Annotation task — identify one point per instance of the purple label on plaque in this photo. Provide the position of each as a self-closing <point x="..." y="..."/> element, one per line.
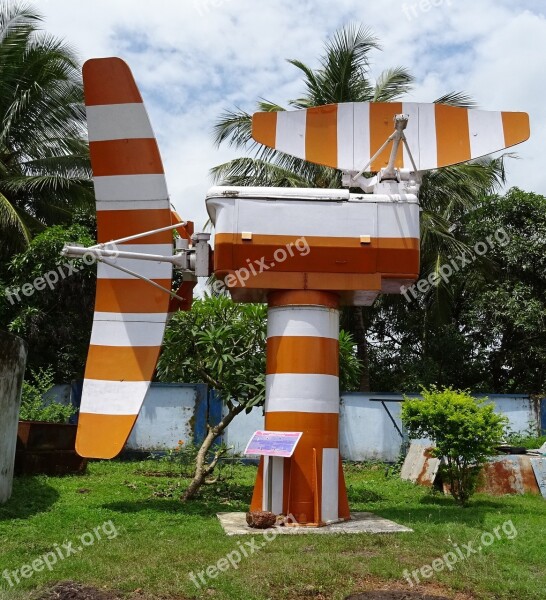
<point x="273" y="443"/>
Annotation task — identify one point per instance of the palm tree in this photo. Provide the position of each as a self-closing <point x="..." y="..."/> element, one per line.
<point x="344" y="76"/>
<point x="44" y="163"/>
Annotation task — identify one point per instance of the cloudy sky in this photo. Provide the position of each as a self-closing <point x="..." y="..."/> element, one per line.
<point x="194" y="58"/>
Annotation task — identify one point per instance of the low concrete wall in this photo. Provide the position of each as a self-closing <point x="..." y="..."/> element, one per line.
<point x="368" y="432"/>
<point x="13" y="356"/>
<point x="370" y="424"/>
<point x="167" y="416"/>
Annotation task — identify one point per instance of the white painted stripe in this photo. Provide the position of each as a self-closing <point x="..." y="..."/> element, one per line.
<point x="146" y="268"/>
<point x="486" y="132"/>
<point x="428" y="144"/>
<point x="397" y="221"/>
<point x="340" y="219"/>
<point x="412" y="133"/>
<point x="130" y="205"/>
<point x="303" y="321"/>
<point x="345" y="136"/>
<point x="278" y="484"/>
<point x="118" y="122"/>
<point x="132" y="188"/>
<point x="289" y="392"/>
<point x="265" y="483"/>
<point x="330" y="485"/>
<point x="362" y="135"/>
<point x="113" y="397"/>
<point x="291" y="132"/>
<point x="274" y="471"/>
<point x="128" y="317"/>
<point x="129" y="333"/>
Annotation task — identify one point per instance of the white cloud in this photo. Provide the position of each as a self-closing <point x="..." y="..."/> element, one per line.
<point x="193" y="59"/>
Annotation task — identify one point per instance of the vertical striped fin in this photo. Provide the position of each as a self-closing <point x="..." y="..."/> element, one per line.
<point x="130" y="314"/>
<point x="346" y="136"/>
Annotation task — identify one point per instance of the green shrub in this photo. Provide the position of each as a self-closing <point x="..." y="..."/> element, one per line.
<point x="33" y="405"/>
<point x="529" y="439"/>
<point x="464" y="429"/>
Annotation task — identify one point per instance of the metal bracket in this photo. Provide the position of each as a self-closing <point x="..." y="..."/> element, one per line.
<point x="389" y="173"/>
<point x="193" y="262"/>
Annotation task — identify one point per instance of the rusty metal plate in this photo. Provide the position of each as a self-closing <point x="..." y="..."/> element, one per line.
<point x="420" y="466"/>
<point x="511" y="474"/>
<point x="539" y="467"/>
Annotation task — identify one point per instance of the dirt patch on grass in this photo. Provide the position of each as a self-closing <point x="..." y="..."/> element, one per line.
<point x="372" y="588"/>
<point x="69" y="590"/>
<point x="394" y="595"/>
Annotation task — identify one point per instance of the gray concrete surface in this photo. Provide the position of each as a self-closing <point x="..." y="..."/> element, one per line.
<point x="13" y="356"/>
<point x="361" y="522"/>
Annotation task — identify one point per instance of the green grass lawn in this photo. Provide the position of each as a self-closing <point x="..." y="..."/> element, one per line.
<point x="160" y="541"/>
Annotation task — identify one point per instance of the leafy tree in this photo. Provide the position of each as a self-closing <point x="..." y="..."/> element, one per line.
<point x="223" y="344"/>
<point x="49" y="301"/>
<point x="44" y="164"/>
<point x="505" y="314"/>
<point x="344" y="76"/>
<point x="464" y="430"/>
<point x="493" y="321"/>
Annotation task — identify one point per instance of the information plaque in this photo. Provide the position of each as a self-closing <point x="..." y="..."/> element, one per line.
<point x="273" y="443"/>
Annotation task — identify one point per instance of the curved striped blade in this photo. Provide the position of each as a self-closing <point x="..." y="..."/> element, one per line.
<point x="346" y="136"/>
<point x="130" y="314"/>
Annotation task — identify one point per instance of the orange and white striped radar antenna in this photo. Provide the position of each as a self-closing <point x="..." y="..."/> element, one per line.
<point x="130" y="314"/>
<point x="348" y="136"/>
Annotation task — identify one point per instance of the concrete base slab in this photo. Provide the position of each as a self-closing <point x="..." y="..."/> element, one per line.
<point x="361" y="522"/>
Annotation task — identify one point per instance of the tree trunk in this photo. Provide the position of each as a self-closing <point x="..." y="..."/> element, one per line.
<point x="202" y="469"/>
<point x="362" y="347"/>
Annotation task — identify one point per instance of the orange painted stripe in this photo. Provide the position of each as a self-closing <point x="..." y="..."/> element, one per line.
<point x="343" y="281"/>
<point x="103" y="436"/>
<point x="381" y="127"/>
<point x="264" y="128"/>
<point x="131" y="296"/>
<point x="317" y="485"/>
<point x="185" y="291"/>
<point x="280" y="241"/>
<point x="184" y="231"/>
<point x="121" y="363"/>
<point x="125" y="157"/>
<point x="344" y="284"/>
<point x="327" y="255"/>
<point x="321" y="135"/>
<point x="320" y="430"/>
<point x="303" y="298"/>
<point x="452" y="135"/>
<point x="516" y="128"/>
<point x="344" y="511"/>
<point x="301" y="354"/>
<point x="117" y="224"/>
<point x="257" y="495"/>
<point x="109" y="81"/>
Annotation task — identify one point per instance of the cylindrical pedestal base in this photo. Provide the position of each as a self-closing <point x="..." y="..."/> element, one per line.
<point x="302" y="394"/>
